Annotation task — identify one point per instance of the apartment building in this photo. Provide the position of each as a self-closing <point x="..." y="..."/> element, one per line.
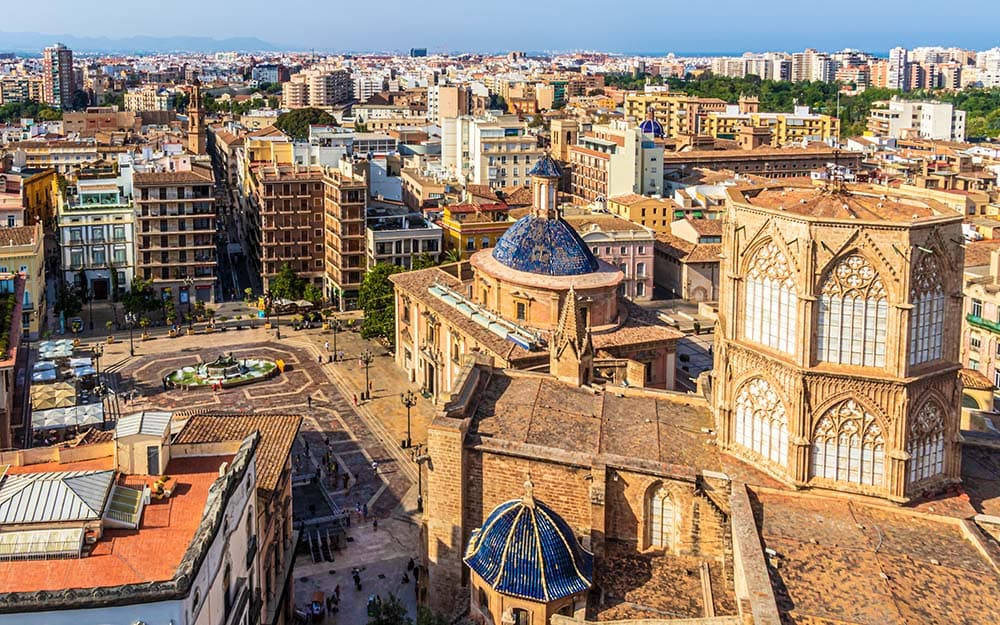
<point x="62" y="155"/>
<point x="812" y="65"/>
<point x="175" y="238"/>
<point x="22" y="251"/>
<point x="654" y="213"/>
<point x="615" y="159"/>
<point x="344" y="200"/>
<point x="269" y="73"/>
<point x="57" y="76"/>
<point x="290" y="198"/>
<point x="96" y="222"/>
<point x="622" y="244"/>
<point x="149" y="98"/>
<point x="785" y="128"/>
<point x="472" y="227"/>
<point x="911" y="119"/>
<point x="677" y="113"/>
<point x="317" y="87"/>
<point x="21" y="89"/>
<point x="494" y="150"/>
<point x="401" y="239"/>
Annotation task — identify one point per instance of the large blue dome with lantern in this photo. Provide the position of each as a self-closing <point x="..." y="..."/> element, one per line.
<point x="526" y="550"/>
<point x="544" y="246"/>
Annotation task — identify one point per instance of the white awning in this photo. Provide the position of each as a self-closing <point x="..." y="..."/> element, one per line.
<point x="59" y="418"/>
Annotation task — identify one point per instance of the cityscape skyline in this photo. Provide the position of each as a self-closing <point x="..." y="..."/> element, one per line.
<point x="439" y="29"/>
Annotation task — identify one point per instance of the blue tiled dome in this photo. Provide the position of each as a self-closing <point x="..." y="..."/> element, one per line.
<point x="545" y="167"/>
<point x="526" y="550"/>
<point x="651" y="127"/>
<point x="545" y="246"/>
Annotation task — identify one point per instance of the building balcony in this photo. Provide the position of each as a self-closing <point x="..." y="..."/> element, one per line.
<point x="985" y="324"/>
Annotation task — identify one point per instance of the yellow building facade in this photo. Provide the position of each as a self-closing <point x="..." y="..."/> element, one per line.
<point x="785" y="128"/>
<point x="472" y="227"/>
<point x="22" y="251"/>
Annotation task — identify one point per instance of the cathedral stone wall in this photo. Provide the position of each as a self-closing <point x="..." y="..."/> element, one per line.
<point x="833" y="349"/>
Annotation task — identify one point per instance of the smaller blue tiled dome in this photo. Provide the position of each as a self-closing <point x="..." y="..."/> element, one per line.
<point x="545" y="167"/>
<point x="651" y="127"/>
<point x="526" y="550"/>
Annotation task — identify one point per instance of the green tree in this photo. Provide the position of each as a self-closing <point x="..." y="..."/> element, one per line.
<point x="453" y="255"/>
<point x="68" y="301"/>
<point x="427" y="617"/>
<point x="296" y="123"/>
<point x="79" y="100"/>
<point x="389" y="611"/>
<point x="140" y="298"/>
<point x="287" y="284"/>
<point x="312" y="293"/>
<point x="376" y="298"/>
<point x="114" y="99"/>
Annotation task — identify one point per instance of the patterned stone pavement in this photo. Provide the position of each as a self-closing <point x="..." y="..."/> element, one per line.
<point x="331" y="418"/>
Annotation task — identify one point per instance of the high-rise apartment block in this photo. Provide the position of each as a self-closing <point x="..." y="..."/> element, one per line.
<point x="494" y="150"/>
<point x="344" y="200"/>
<point x="898" y="76"/>
<point x="317" y="87"/>
<point x="57" y="76"/>
<point x="905" y="119"/>
<point x="175" y="242"/>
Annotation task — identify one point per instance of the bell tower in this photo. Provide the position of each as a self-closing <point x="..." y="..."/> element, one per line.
<point x="196" y="130"/>
<point x="544" y="181"/>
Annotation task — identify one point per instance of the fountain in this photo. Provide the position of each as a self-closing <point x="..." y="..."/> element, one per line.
<point x="225" y="370"/>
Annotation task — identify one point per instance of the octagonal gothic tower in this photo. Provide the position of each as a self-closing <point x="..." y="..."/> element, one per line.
<point x="837" y="345"/>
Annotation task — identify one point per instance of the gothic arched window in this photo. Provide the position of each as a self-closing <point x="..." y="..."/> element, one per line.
<point x="770" y="313"/>
<point x="662" y="519"/>
<point x="927" y="316"/>
<point x="761" y="424"/>
<point x="852" y="315"/>
<point x="847" y="446"/>
<point x="926" y="442"/>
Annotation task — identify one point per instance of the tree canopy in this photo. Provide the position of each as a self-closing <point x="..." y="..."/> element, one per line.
<point x="287" y="284"/>
<point x="13" y="112"/>
<point x="391" y="611"/>
<point x="296" y="123"/>
<point x="68" y="301"/>
<point x="376" y="298"/>
<point x="141" y="298"/>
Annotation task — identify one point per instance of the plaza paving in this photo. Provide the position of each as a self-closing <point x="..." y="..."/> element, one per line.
<point x="337" y="436"/>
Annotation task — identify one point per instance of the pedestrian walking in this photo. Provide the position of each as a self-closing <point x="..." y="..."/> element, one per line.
<point x="336" y="591"/>
<point x="346" y="480"/>
<point x="319" y="358"/>
<point x="326" y="346"/>
<point x="375" y="466"/>
<point x="355" y="399"/>
<point x="364" y="512"/>
<point x="329" y="358"/>
<point x="309" y="401"/>
<point x="375" y="525"/>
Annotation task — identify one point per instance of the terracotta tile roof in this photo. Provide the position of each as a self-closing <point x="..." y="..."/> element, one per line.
<point x="843" y="561"/>
<point x="974" y="379"/>
<point x="277" y="433"/>
<point x="641" y="328"/>
<point x="606" y="223"/>
<point x="17" y="236"/>
<point x="536" y="409"/>
<point x="629" y="199"/>
<point x="706" y="227"/>
<point x="688" y="252"/>
<point x="197" y="175"/>
<point x="977" y="253"/>
<point x="267" y="131"/>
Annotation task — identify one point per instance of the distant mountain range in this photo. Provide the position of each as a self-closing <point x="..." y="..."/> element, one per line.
<point x="33" y="43"/>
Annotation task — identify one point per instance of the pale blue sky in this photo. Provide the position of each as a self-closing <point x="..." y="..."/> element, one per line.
<point x="450" y="25"/>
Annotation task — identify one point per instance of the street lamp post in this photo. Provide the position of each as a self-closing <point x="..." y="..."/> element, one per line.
<point x="367" y="357"/>
<point x="189" y="283"/>
<point x="409" y="400"/>
<point x="336" y="326"/>
<point x="420" y="459"/>
<point x="130" y="320"/>
<point x="98" y="351"/>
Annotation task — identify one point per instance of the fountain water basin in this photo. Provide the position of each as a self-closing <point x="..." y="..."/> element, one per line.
<point x="226" y="371"/>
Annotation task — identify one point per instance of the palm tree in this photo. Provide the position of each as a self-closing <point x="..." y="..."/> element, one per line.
<point x="451" y="256"/>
